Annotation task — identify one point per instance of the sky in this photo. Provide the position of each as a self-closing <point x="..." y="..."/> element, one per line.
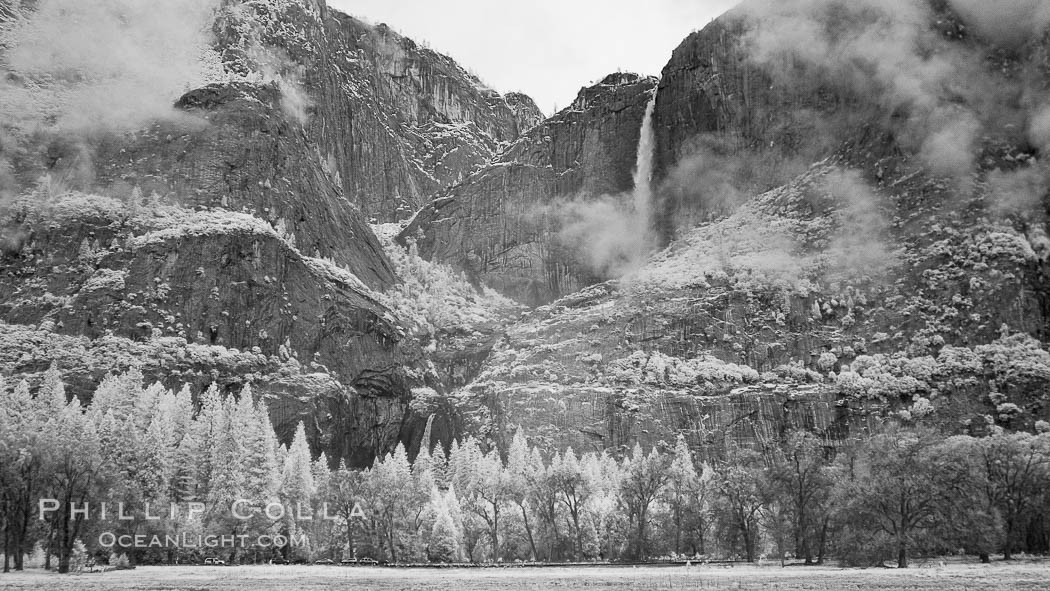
<point x="547" y="49"/>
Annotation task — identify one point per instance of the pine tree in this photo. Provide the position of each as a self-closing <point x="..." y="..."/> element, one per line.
<point x="321" y="472"/>
<point x="204" y="434"/>
<point x="181" y="411"/>
<point x="298" y="488"/>
<point x="228" y="478"/>
<point x="347" y="492"/>
<point x="23" y="445"/>
<point x="455" y="510"/>
<point x="440" y="468"/>
<point x="591" y="544"/>
<point x="444" y="542"/>
<point x="602" y="472"/>
<point x="145" y="403"/>
<point x="135" y="202"/>
<point x="680" y="493"/>
<point x="392" y="478"/>
<point x="118" y="393"/>
<point x="74" y="464"/>
<point x="136" y="453"/>
<point x="297" y="482"/>
<point x="257" y="469"/>
<point x="463" y="463"/>
<point x="323" y="529"/>
<point x="184" y="484"/>
<point x="419" y="505"/>
<point x="162" y="435"/>
<point x="464" y="466"/>
<point x="522" y="472"/>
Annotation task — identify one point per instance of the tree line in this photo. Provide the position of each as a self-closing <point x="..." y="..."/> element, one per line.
<point x="889" y="495"/>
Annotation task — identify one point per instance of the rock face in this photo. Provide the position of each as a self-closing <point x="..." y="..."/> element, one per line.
<point x="825" y="267"/>
<point x="716" y="104"/>
<point x="500" y="225"/>
<point x="208" y="285"/>
<point x="394" y="122"/>
<point x="245" y="156"/>
<point x="760" y="109"/>
<point x="227" y="241"/>
<point x="724" y="350"/>
<point x="839" y="245"/>
<point x="527" y="114"/>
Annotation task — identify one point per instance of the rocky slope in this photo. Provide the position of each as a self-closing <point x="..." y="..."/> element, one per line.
<point x="850" y="227"/>
<point x="726" y="336"/>
<point x="394" y="122"/>
<point x="222" y="236"/>
<point x="849" y="241"/>
<point x="501" y="225"/>
<point x="204" y="286"/>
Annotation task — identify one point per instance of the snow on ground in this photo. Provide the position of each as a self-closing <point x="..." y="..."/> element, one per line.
<point x="931" y="576"/>
<point x="434" y="296"/>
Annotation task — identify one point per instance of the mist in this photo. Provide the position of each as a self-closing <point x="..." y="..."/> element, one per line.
<point x="106" y="64"/>
<point x="763" y="242"/>
<point x="268" y="64"/>
<point x="1018" y="190"/>
<point x="613" y="234"/>
<point x="1039" y="128"/>
<point x="887" y="53"/>
<point x="715" y="175"/>
<point x="858" y="245"/>
<point x="607" y="234"/>
<point x="1007" y="23"/>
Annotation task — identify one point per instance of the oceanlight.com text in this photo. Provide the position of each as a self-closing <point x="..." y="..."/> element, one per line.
<point x="112" y="540"/>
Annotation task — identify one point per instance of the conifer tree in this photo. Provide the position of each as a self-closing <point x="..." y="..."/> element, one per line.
<point x="298" y="488"/>
<point x="392" y="479"/>
<point x="74" y="464"/>
<point x="522" y="472"/>
<point x="323" y="528"/>
<point x="297" y="482"/>
<point x="346" y="494"/>
<point x="22" y="467"/>
<point x="680" y="492"/>
<point x="444" y="542"/>
<point x="602" y="509"/>
<point x="204" y="434"/>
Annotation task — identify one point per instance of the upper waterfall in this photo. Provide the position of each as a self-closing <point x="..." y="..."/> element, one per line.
<point x="643" y="169"/>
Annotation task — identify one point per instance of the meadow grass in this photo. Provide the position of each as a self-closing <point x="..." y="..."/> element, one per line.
<point x="930" y="577"/>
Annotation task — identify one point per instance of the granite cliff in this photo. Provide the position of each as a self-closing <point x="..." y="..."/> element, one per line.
<point x="840" y="229"/>
<point x="219" y="233"/>
<point x="852" y="234"/>
<point x="393" y="121"/>
<point x="501" y="224"/>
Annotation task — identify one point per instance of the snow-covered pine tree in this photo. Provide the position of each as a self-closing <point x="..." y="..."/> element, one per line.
<point x="444" y="537"/>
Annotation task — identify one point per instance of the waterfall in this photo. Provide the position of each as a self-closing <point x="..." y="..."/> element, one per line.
<point x="643" y="170"/>
<point x="615" y="234"/>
